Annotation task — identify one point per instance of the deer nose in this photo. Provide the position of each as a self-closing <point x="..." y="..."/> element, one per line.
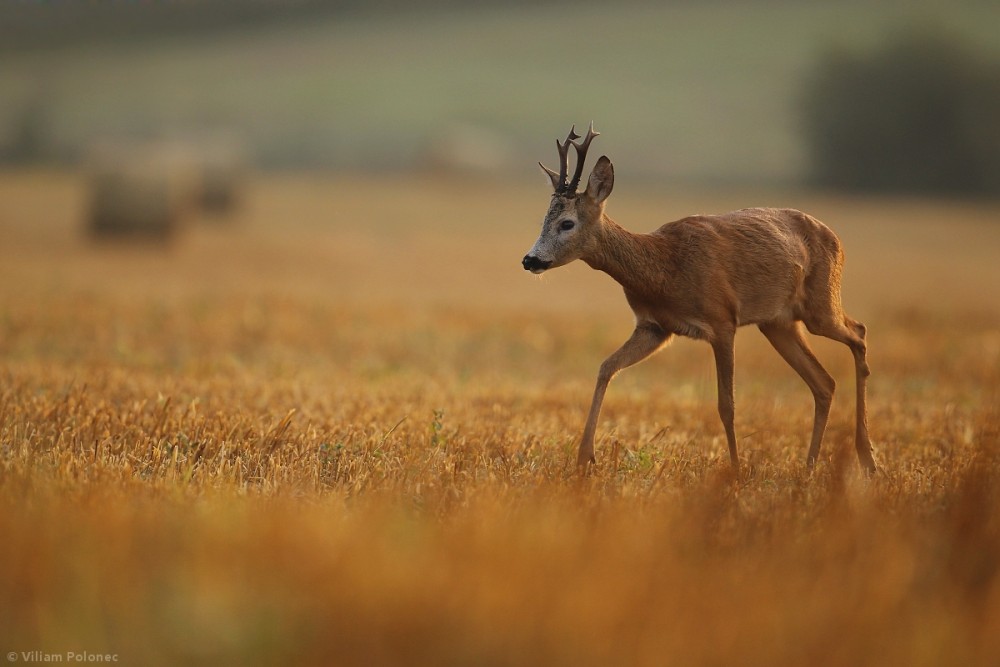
<point x="532" y="263"/>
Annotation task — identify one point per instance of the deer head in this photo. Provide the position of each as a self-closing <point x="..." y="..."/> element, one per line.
<point x="572" y="224"/>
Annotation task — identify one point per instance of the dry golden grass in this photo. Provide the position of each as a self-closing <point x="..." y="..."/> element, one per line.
<point x="343" y="432"/>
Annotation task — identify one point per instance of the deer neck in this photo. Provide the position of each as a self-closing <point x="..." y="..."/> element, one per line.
<point x="627" y="257"/>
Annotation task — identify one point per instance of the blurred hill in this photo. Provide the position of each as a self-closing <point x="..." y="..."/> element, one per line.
<point x="683" y="92"/>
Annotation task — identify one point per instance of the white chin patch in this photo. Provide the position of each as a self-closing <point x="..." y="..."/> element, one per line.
<point x="538" y="271"/>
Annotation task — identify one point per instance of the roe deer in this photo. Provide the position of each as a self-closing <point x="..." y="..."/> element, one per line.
<point x="702" y="277"/>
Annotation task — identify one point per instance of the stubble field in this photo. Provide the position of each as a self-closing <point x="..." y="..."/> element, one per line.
<point x="342" y="429"/>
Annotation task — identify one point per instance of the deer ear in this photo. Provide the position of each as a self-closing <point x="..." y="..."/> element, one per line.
<point x="602" y="180"/>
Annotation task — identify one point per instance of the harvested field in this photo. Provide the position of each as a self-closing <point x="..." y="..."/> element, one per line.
<point x="344" y="430"/>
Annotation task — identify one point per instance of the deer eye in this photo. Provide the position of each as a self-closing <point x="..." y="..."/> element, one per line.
<point x="566" y="225"/>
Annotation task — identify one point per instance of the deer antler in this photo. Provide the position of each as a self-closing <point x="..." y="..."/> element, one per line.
<point x="559" y="183"/>
<point x="559" y="180"/>
<point x="581" y="156"/>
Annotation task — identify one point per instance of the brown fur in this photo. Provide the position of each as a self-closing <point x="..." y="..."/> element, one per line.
<point x="703" y="277"/>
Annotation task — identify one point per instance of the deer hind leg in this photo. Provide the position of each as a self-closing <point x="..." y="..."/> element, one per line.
<point x="790" y="342"/>
<point x="725" y="367"/>
<point x="644" y="341"/>
<point x="852" y="333"/>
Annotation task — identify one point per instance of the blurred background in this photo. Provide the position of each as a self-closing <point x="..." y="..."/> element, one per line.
<point x="327" y="305"/>
<point x="860" y="96"/>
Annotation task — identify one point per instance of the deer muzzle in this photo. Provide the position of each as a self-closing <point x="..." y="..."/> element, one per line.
<point x="534" y="264"/>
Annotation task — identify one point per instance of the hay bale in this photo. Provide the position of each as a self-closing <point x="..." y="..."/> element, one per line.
<point x="139" y="192"/>
<point x="466" y="150"/>
<point x="222" y="174"/>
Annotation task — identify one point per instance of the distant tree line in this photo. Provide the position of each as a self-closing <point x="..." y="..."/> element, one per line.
<point x="919" y="115"/>
<point x="43" y="24"/>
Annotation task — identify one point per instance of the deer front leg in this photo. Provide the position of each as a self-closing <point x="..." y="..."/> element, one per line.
<point x="644" y="341"/>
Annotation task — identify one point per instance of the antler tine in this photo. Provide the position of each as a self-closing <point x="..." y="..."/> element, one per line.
<point x="563" y="148"/>
<point x="581" y="156"/>
<point x="553" y="176"/>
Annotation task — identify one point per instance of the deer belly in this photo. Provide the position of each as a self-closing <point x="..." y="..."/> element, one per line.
<point x="680" y="325"/>
<point x="765" y="314"/>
